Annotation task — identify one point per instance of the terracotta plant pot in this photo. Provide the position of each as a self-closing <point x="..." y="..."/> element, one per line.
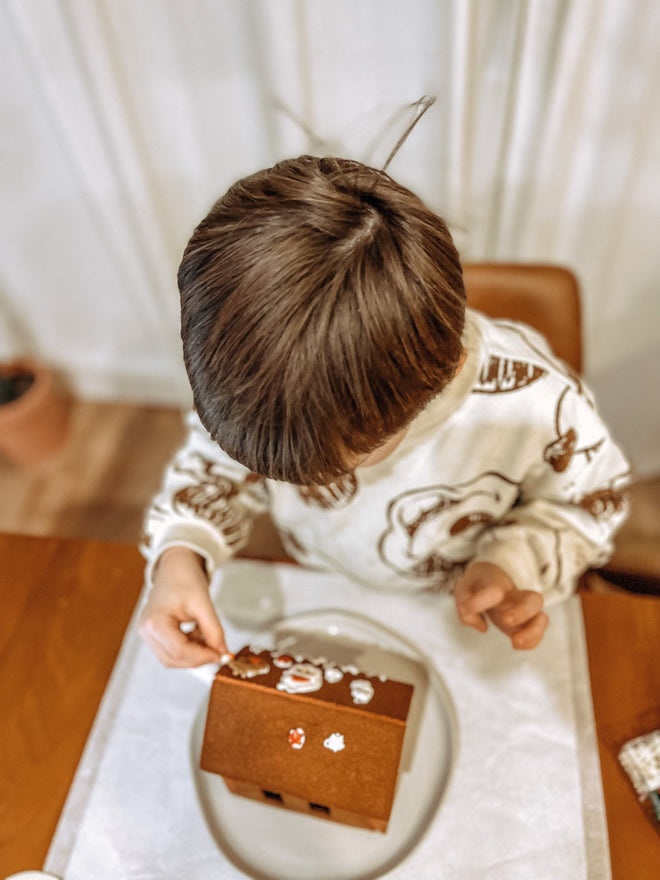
<point x="35" y="424"/>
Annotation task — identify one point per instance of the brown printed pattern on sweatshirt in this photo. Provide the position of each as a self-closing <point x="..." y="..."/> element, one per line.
<point x="562" y="450"/>
<point x="430" y="531"/>
<point x="213" y="497"/>
<point x="605" y="503"/>
<point x="476" y="518"/>
<point x="549" y="358"/>
<point x="330" y="497"/>
<point x="579" y="387"/>
<point x="501" y="375"/>
<point x="435" y="565"/>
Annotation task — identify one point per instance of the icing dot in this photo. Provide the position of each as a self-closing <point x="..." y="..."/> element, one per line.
<point x="333" y="674"/>
<point x="335" y="742"/>
<point x="362" y="691"/>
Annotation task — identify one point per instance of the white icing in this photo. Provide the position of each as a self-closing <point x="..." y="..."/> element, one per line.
<point x="333" y="674"/>
<point x="362" y="691"/>
<point x="335" y="742"/>
<point x="301" y="678"/>
<point x="296" y="737"/>
<point x="352" y="670"/>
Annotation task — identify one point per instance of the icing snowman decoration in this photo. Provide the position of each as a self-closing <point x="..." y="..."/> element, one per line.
<point x="301" y="678"/>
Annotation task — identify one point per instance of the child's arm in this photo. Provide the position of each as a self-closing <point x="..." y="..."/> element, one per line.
<point x="200" y="518"/>
<point x="570" y="506"/>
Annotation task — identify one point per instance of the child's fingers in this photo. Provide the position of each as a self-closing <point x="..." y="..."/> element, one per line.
<point x="185" y="656"/>
<point x="484" y="591"/>
<point x="520" y="617"/>
<point x="530" y="634"/>
<point x="172" y="646"/>
<point x="188" y="656"/>
<point x="208" y="626"/>
<point x="478" y="621"/>
<point x="474" y="602"/>
<point x="518" y="607"/>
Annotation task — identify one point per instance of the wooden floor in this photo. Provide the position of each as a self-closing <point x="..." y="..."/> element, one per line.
<point x="100" y="483"/>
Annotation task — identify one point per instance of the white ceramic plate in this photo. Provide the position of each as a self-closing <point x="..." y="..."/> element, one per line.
<point x="270" y="843"/>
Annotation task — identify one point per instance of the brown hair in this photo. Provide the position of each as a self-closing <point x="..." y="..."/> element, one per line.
<point x="322" y="307"/>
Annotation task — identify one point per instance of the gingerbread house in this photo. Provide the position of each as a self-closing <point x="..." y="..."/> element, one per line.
<point x="307" y="735"/>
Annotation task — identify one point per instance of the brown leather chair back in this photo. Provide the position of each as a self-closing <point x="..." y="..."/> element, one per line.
<point x="545" y="297"/>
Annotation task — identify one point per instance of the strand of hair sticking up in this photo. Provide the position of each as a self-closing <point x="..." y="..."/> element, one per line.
<point x="420" y="107"/>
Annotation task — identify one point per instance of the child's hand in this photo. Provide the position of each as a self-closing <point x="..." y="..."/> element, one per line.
<point x="180" y="594"/>
<point x="484" y="589"/>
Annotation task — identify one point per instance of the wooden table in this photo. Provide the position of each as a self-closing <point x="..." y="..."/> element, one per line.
<point x="623" y="645"/>
<point x="65" y="608"/>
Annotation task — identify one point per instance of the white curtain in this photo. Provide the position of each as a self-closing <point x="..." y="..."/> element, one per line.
<point x="123" y="120"/>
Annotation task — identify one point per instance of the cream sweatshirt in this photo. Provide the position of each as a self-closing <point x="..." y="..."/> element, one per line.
<point x="510" y="464"/>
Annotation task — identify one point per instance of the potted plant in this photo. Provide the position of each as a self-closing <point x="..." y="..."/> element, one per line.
<point x="34" y="416"/>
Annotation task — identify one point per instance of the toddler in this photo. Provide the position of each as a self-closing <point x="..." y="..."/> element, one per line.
<point x="340" y="383"/>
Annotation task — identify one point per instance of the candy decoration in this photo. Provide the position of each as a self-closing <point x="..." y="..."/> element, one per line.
<point x="296" y="737"/>
<point x="283" y="661"/>
<point x="249" y="666"/>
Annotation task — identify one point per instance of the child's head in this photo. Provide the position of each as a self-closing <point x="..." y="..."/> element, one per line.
<point x="322" y="307"/>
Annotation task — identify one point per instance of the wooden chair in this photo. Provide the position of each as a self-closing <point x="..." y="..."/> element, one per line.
<point x="545" y="297"/>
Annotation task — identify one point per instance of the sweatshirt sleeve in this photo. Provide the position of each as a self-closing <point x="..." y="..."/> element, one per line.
<point x="207" y="502"/>
<point x="571" y="504"/>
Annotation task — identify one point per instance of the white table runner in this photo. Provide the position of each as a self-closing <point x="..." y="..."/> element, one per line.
<point x="525" y="800"/>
